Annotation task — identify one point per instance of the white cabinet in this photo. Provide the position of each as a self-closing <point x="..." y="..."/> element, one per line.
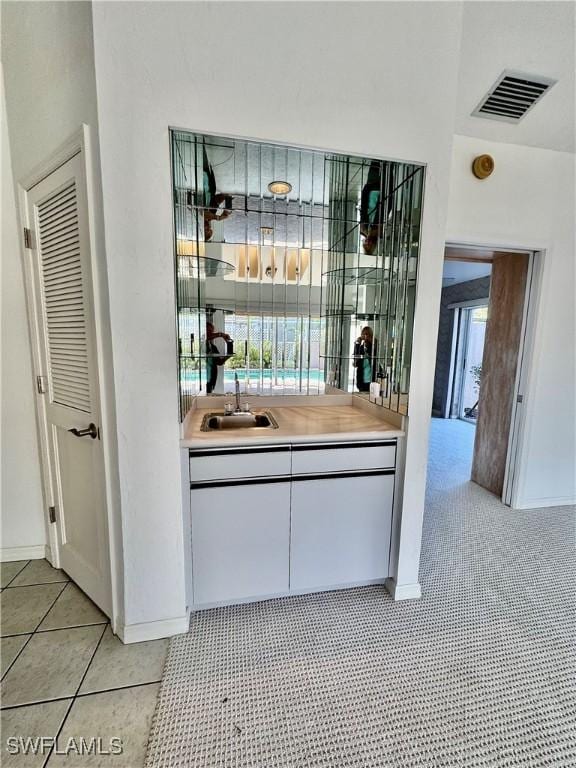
<point x="240" y="540"/>
<point x="340" y="530"/>
<point x="274" y="520"/>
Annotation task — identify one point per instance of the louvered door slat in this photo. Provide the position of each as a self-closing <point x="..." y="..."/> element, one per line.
<point x="59" y="205"/>
<point x="61" y="243"/>
<point x="54" y="293"/>
<point x="65" y="219"/>
<point x="62" y="268"/>
<point x="60" y="233"/>
<point x="57" y="200"/>
<point x="58" y="255"/>
<point x="63" y="296"/>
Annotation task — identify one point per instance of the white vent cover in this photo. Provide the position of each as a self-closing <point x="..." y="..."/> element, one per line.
<point x="512" y="96"/>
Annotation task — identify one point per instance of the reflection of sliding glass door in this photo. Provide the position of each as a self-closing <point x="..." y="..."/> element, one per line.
<point x="471" y="348"/>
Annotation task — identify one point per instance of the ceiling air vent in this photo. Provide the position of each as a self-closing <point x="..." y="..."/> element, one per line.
<point x="512" y="96"/>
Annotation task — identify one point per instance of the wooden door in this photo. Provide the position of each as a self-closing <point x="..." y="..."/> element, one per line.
<point x="64" y="316"/>
<point x="499" y="365"/>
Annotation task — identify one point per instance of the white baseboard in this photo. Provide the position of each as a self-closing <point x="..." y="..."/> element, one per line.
<point x="153" y="630"/>
<point x="291" y="593"/>
<point x="403" y="591"/>
<point x="550" y="501"/>
<point x="35" y="552"/>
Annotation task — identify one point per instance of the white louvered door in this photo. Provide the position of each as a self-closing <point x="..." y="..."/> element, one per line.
<point x="61" y="263"/>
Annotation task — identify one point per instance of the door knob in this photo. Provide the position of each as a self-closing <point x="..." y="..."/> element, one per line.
<point x="91" y="430"/>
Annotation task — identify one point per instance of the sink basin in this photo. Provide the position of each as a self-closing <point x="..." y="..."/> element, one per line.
<point x="217" y="421"/>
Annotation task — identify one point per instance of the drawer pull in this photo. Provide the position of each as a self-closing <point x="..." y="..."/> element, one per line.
<point x="240" y="481"/>
<point x="240" y="451"/>
<point x="340" y="446"/>
<point x="339" y="475"/>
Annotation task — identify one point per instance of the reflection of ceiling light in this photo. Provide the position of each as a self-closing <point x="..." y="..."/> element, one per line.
<point x="280" y="187"/>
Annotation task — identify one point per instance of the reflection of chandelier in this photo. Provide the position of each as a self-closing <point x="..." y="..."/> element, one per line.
<point x="250" y="261"/>
<point x="280" y="187"/>
<point x="253" y="261"/>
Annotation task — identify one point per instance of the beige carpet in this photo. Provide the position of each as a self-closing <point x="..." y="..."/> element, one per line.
<point x="480" y="672"/>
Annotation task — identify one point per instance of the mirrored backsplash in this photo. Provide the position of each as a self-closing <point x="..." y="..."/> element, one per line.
<point x="295" y="269"/>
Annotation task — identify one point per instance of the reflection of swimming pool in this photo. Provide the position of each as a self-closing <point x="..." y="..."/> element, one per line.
<point x="280" y="375"/>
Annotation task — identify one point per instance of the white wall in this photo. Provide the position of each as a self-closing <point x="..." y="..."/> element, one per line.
<point x="350" y="77"/>
<point x="529" y="202"/>
<point x="48" y="56"/>
<point x="23" y="532"/>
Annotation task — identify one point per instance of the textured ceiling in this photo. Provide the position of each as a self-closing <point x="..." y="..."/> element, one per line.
<point x="462" y="271"/>
<point x="537" y="38"/>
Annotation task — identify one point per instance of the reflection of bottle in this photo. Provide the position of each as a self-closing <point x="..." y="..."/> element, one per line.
<point x="380" y="382"/>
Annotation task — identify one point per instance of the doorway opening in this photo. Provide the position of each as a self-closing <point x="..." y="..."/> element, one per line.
<point x="481" y="340"/>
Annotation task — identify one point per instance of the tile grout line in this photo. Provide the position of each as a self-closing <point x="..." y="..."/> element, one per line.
<point x="75" y="696"/>
<point x="84" y="695"/>
<point x="119" y="688"/>
<point x="71" y="699"/>
<point x="34" y="631"/>
<point x="55" y="629"/>
<point x="37" y="584"/>
<point x="15" y="659"/>
<point x="71" y="626"/>
<point x="17" y="574"/>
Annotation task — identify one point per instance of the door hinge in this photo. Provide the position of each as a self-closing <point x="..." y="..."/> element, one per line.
<point x="41" y="385"/>
<point x="52" y="514"/>
<point x="27" y="238"/>
<point x="519" y="398"/>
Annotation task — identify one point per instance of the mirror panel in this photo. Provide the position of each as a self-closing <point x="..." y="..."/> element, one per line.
<point x="295" y="269"/>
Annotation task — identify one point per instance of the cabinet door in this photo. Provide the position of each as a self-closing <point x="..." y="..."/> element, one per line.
<point x="340" y="530"/>
<point x="240" y="541"/>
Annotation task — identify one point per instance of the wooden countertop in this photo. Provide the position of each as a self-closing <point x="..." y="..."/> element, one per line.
<point x="296" y="424"/>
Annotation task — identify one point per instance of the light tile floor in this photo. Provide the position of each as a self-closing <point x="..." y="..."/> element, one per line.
<point x="65" y="676"/>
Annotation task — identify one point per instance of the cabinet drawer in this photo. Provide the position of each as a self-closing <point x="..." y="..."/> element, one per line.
<point x="338" y="457"/>
<point x="223" y="464"/>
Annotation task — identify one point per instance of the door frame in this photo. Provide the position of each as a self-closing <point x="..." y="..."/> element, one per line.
<point x="527" y="355"/>
<point x="78" y="143"/>
<point x="523" y="373"/>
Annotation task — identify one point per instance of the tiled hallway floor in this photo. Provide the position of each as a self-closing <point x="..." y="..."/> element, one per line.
<point x="65" y="675"/>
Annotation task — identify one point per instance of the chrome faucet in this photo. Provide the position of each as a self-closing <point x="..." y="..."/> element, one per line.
<point x="237" y="388"/>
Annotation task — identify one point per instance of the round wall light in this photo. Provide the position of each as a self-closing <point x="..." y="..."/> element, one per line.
<point x="280" y="187"/>
<point x="483" y="166"/>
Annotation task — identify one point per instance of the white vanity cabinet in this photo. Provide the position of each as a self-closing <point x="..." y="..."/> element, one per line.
<point x="286" y="519"/>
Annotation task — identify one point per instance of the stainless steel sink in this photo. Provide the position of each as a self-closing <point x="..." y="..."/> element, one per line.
<point x="259" y="420"/>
